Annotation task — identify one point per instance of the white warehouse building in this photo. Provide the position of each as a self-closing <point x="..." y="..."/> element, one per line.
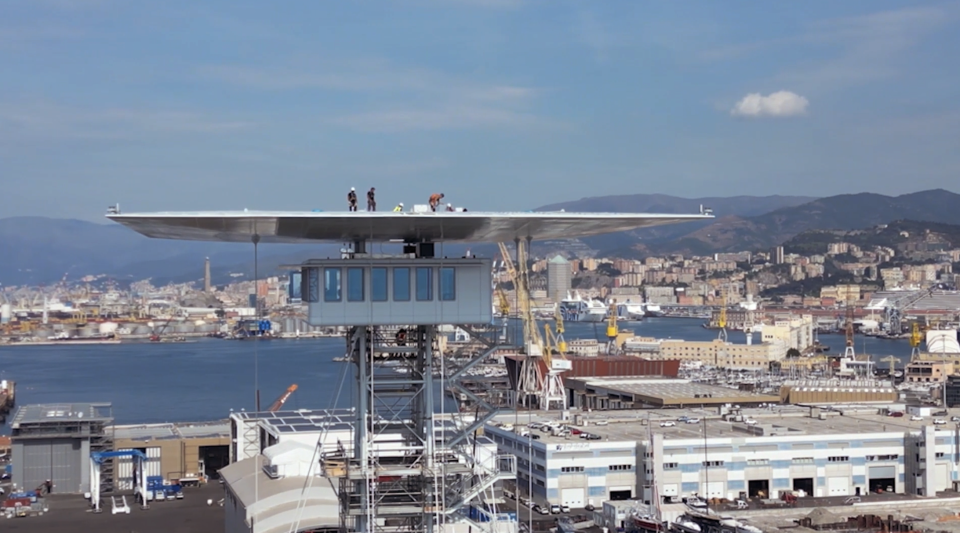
<point x="786" y="449"/>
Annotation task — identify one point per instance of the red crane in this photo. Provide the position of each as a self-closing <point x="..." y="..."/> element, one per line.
<point x="278" y="403"/>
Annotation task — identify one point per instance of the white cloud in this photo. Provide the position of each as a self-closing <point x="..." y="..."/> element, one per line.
<point x="778" y="104"/>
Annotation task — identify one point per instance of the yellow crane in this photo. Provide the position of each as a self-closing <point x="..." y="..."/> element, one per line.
<point x="915" y="339"/>
<point x="504" y="310"/>
<point x="722" y="319"/>
<point x="612" y="329"/>
<point x="531" y="381"/>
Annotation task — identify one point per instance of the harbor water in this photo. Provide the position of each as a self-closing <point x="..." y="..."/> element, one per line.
<point x="206" y="379"/>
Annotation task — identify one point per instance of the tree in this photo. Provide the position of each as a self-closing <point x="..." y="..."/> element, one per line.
<point x="793" y="353"/>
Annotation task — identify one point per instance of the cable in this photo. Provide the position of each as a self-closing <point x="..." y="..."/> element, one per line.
<point x="256" y="349"/>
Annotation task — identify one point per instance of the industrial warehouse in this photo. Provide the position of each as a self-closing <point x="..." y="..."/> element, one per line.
<point x="736" y="455"/>
<point x="55" y="442"/>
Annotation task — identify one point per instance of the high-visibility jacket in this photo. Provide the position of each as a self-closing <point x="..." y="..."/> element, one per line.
<point x="398" y="209"/>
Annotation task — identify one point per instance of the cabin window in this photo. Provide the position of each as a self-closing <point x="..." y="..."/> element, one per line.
<point x="424" y="284"/>
<point x="331" y="285"/>
<point x="378" y="284"/>
<point x="354" y="284"/>
<point x="401" y="284"/>
<point x="448" y="284"/>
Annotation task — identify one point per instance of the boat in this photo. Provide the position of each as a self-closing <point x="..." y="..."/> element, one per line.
<point x="630" y="311"/>
<point x="64" y="340"/>
<point x="652" y="310"/>
<point x="575" y="309"/>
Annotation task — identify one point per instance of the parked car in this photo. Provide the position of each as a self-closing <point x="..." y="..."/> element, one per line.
<point x="955" y="418"/>
<point x="564" y="508"/>
<point x="683" y="418"/>
<point x="896" y="414"/>
<point x="690" y="420"/>
<point x="667" y="424"/>
<point x="750" y="422"/>
<point x="939" y="421"/>
<point x="589" y="507"/>
<point x="916" y="418"/>
<point x="554" y="509"/>
<point x="593" y="437"/>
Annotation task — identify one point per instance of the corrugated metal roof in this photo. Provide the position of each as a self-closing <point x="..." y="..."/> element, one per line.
<point x="61" y="412"/>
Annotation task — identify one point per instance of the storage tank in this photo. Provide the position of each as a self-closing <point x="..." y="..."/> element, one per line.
<point x="143" y="329"/>
<point x="6" y="313"/>
<point x="89" y="330"/>
<point x="108" y="328"/>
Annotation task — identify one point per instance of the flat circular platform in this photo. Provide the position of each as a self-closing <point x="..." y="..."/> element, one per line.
<point x="309" y="226"/>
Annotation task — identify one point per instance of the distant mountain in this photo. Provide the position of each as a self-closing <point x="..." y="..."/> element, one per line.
<point x="842" y="212"/>
<point x="660" y="203"/>
<point x="743" y="206"/>
<point x="38" y="250"/>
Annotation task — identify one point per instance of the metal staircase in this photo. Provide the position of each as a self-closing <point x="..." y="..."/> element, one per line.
<point x="104" y="443"/>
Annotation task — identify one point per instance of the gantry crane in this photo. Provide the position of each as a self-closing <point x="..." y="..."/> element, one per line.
<point x="532" y="383"/>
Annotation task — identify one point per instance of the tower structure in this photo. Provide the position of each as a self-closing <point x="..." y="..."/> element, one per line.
<point x="409" y="467"/>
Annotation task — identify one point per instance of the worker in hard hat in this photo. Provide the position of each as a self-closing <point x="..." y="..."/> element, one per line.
<point x="435" y="200"/>
<point x="352" y="199"/>
<point x="399" y="208"/>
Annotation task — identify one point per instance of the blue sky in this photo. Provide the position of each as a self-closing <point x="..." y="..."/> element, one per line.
<point x="500" y="104"/>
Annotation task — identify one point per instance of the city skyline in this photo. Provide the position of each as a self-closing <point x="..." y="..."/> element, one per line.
<point x="501" y="104"/>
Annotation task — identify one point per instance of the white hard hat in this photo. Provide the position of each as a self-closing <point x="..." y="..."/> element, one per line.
<point x="352" y="189"/>
<point x="401" y="204"/>
<point x="448" y="205"/>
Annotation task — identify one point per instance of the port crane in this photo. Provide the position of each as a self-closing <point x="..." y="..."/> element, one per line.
<point x="531" y="383"/>
<point x="156" y="337"/>
<point x="613" y="329"/>
<point x="722" y="319"/>
<point x="915" y="339"/>
<point x="278" y="403"/>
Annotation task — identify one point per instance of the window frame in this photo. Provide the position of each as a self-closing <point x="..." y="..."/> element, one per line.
<point x="326" y="282"/>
